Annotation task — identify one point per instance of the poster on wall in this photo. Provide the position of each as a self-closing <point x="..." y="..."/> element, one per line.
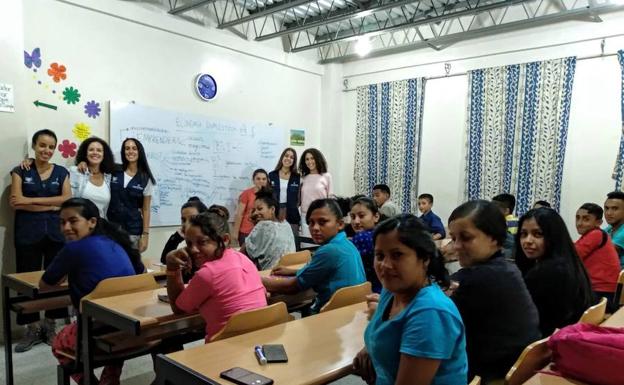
<point x="297" y="137"/>
<point x="6" y="98"/>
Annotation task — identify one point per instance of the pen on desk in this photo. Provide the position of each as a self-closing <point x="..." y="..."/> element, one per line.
<point x="260" y="355"/>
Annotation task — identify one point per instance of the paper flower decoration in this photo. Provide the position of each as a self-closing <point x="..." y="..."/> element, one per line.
<point x="57" y="72"/>
<point x="92" y="109"/>
<point x="71" y="95"/>
<point x="81" y="131"/>
<point x="67" y="149"/>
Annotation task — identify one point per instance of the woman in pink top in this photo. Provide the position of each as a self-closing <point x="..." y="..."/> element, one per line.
<point x="227" y="281"/>
<point x="316" y="182"/>
<point x="242" y="219"/>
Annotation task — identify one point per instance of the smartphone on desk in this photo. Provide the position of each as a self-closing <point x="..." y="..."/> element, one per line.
<point x="245" y="377"/>
<point x="275" y="353"/>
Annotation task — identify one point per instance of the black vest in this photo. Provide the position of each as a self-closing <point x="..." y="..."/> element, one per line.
<point x="126" y="203"/>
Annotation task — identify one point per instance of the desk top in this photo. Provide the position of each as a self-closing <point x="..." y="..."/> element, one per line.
<point x="266" y="273"/>
<point x="28" y="283"/>
<point x="616" y="319"/>
<point x="320" y="348"/>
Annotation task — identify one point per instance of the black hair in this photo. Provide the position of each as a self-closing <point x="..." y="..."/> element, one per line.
<point x="383" y="188"/>
<point x="542" y="203"/>
<point x="142" y="165"/>
<point x="88" y="210"/>
<point x="196" y="203"/>
<point x="557" y="246"/>
<point x="616" y="195"/>
<point x="213" y="225"/>
<point x="108" y="161"/>
<point x="506" y="201"/>
<point x="293" y="166"/>
<point x="486" y="216"/>
<point x="220" y="210"/>
<point x="259" y="171"/>
<point x="357" y="196"/>
<point x="330" y="203"/>
<point x="366" y="202"/>
<point x="344" y="203"/>
<point x="413" y="233"/>
<point x="592" y="209"/>
<point x="39" y="133"/>
<point x="428" y="197"/>
<point x="319" y="160"/>
<point x="266" y="196"/>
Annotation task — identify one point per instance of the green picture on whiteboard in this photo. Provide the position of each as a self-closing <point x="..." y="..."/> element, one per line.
<point x="297" y="137"/>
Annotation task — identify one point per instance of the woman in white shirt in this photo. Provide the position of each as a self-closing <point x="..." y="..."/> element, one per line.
<point x="93" y="181"/>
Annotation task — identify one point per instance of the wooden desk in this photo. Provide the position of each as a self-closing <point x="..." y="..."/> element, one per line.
<point x="140" y="314"/>
<point x="320" y="349"/>
<point x="292" y="301"/>
<point x="616" y="320"/>
<point x="28" y="299"/>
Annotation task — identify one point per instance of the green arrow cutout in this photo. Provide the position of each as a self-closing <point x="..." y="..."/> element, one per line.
<point x="39" y="104"/>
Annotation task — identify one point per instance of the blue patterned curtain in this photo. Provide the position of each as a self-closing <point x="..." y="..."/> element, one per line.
<point x="389" y="121"/>
<point x="517" y="130"/>
<point x="618" y="171"/>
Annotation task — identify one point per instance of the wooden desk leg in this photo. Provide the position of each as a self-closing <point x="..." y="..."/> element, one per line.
<point x="6" y="323"/>
<point x="87" y="350"/>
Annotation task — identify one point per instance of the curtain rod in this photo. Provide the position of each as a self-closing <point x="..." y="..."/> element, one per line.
<point x="466" y="73"/>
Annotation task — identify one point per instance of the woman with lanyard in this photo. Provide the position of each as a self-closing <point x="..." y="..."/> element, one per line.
<point x="131" y="193"/>
<point x="285" y="182"/>
<point x="36" y="195"/>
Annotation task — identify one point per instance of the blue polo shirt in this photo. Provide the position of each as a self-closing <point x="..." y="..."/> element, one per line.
<point x="434" y="223"/>
<point x="334" y="265"/>
<point x="429" y="327"/>
<point x="86" y="262"/>
<point x="618" y="239"/>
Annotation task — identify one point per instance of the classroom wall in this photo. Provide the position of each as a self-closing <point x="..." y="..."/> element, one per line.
<point x="595" y="119"/>
<point x="130" y="51"/>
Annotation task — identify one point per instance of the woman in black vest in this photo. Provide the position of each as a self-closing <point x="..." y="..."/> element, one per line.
<point x="131" y="193"/>
<point x="36" y="195"/>
<point x="285" y="182"/>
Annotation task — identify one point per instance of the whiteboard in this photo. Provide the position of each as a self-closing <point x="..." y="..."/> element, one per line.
<point x="195" y="155"/>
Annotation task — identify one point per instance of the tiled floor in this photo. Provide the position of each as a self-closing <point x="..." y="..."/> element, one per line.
<point x="38" y="367"/>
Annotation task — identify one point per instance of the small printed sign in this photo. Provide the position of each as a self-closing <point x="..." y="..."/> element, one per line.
<point x="297" y="137"/>
<point x="6" y="98"/>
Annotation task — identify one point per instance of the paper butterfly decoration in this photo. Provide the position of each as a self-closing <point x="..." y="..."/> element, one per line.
<point x="32" y="59"/>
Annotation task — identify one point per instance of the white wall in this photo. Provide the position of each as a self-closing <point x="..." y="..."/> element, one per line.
<point x="595" y="121"/>
<point x="122" y="51"/>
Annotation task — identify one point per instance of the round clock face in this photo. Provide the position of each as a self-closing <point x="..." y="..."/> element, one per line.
<point x="206" y="86"/>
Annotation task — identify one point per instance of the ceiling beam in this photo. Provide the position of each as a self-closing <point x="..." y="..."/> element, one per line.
<point x="265" y="11"/>
<point x="190" y="6"/>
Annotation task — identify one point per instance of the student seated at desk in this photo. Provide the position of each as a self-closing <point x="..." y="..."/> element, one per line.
<point x="334" y="265"/>
<point x="95" y="250"/>
<point x="553" y="272"/>
<point x="416" y="336"/>
<point x="227" y="282"/>
<point x="270" y="238"/>
<point x="425" y="204"/>
<point x="495" y="305"/>
<point x="364" y="218"/>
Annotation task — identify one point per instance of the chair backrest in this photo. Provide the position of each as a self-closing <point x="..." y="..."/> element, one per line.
<point x="248" y="321"/>
<point x="122" y="285"/>
<point x="346" y="296"/>
<point x="618" y="299"/>
<point x="475" y="381"/>
<point x="533" y="358"/>
<point x="295" y="258"/>
<point x="595" y="314"/>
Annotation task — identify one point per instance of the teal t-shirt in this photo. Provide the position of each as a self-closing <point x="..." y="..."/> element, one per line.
<point x="334" y="265"/>
<point x="618" y="239"/>
<point x="429" y="327"/>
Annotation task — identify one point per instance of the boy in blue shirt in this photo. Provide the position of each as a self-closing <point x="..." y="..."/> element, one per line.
<point x="614" y="215"/>
<point x="425" y="203"/>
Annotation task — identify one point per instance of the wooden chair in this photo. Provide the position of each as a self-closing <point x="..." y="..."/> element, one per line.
<point x="108" y="288"/>
<point x="595" y="314"/>
<point x="295" y="258"/>
<point x="346" y="296"/>
<point x="248" y="321"/>
<point x="618" y="298"/>
<point x="533" y="358"/>
<point x="475" y="381"/>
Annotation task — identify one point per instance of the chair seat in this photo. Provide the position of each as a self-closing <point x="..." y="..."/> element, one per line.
<point x="38" y="305"/>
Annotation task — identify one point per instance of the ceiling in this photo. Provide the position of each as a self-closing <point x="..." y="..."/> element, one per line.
<point x="339" y="29"/>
